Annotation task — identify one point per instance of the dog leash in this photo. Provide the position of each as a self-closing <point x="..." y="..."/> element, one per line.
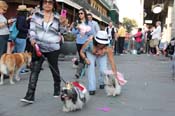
<point x="53" y="69"/>
<point x="83" y="71"/>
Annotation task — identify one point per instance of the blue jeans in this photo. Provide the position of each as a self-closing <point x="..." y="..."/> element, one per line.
<point x="20" y="45"/>
<point x="138" y="45"/>
<point x="102" y="64"/>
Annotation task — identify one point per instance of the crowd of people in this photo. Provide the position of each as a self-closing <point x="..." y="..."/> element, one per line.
<point x="44" y="26"/>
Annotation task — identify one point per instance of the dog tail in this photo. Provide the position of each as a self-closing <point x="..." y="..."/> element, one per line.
<point x="3" y="69"/>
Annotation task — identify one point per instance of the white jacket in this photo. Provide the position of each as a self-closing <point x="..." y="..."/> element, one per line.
<point x="156" y="34"/>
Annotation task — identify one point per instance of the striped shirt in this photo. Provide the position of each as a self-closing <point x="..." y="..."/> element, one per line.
<point x="46" y="35"/>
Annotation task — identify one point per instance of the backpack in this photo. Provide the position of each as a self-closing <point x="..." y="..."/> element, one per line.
<point x="13" y="31"/>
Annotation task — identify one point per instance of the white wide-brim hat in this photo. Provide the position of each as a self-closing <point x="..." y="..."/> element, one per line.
<point x="102" y="37"/>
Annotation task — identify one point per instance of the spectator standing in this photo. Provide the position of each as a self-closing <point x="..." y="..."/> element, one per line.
<point x="138" y="39"/>
<point x="156" y="36"/>
<point x="121" y="38"/>
<point x="111" y="31"/>
<point x="94" y="25"/>
<point x="81" y="37"/>
<point x="4" y="31"/>
<point x="148" y="38"/>
<point x="127" y="42"/>
<point x="22" y="26"/>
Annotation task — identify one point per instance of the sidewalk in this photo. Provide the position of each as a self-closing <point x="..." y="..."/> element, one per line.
<point x="149" y="91"/>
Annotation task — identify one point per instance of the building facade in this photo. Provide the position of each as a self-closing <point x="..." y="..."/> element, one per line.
<point x="103" y="11"/>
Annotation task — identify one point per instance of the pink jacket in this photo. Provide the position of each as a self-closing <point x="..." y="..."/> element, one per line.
<point x="138" y="36"/>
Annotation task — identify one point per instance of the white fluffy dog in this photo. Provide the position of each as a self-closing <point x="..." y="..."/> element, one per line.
<point x="112" y="86"/>
<point x="113" y="83"/>
<point x="74" y="95"/>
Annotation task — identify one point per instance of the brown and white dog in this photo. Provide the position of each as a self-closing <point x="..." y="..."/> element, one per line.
<point x="11" y="64"/>
<point x="74" y="95"/>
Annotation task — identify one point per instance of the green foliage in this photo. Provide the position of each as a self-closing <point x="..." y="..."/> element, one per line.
<point x="129" y="23"/>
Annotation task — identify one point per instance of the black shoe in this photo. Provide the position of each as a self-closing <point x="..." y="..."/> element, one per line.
<point x="77" y="76"/>
<point x="91" y="92"/>
<point x="101" y="86"/>
<point x="56" y="94"/>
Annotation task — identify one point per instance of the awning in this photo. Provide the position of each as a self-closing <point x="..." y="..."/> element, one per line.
<point x="96" y="17"/>
<point x="68" y="2"/>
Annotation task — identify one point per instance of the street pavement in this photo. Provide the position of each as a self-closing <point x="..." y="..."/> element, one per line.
<point x="150" y="91"/>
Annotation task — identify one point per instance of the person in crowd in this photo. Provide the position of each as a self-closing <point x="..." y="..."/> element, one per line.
<point x="22" y="26"/>
<point x="99" y="50"/>
<point x="94" y="25"/>
<point x="156" y="36"/>
<point x="127" y="42"/>
<point x="111" y="31"/>
<point x="148" y="38"/>
<point x="29" y="47"/>
<point x="82" y="36"/>
<point x="121" y="38"/>
<point x="44" y="36"/>
<point x="138" y="39"/>
<point x="4" y="31"/>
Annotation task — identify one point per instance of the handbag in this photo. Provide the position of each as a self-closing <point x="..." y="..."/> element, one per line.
<point x="151" y="43"/>
<point x="13" y="31"/>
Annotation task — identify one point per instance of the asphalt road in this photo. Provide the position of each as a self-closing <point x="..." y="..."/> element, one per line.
<point x="150" y="91"/>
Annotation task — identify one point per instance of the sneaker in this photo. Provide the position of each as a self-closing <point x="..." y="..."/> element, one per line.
<point x="24" y="71"/>
<point x="27" y="101"/>
<point x="56" y="96"/>
<point x="77" y="76"/>
<point x="91" y="92"/>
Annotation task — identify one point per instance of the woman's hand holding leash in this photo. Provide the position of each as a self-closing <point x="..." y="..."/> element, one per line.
<point x="87" y="61"/>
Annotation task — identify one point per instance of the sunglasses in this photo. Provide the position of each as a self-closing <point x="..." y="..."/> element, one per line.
<point x="80" y="13"/>
<point x="48" y="2"/>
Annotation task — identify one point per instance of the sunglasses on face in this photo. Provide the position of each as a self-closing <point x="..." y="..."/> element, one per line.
<point x="80" y="13"/>
<point x="48" y="2"/>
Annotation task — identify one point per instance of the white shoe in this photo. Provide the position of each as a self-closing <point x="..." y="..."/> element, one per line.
<point x="56" y="96"/>
<point x="27" y="101"/>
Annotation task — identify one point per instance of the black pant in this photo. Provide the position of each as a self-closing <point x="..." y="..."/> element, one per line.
<point x="121" y="41"/>
<point x="79" y="46"/>
<point x="3" y="44"/>
<point x="115" y="46"/>
<point x="52" y="58"/>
